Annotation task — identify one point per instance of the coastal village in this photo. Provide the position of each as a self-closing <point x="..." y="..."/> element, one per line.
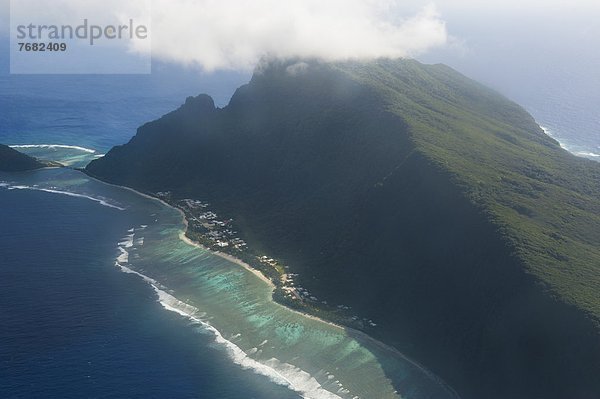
<point x="219" y="235"/>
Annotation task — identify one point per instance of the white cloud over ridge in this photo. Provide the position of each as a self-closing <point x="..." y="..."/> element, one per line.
<point x="235" y="34"/>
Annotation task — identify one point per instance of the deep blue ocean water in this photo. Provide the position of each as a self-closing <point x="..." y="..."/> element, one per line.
<point x="102" y="298"/>
<point x="73" y="326"/>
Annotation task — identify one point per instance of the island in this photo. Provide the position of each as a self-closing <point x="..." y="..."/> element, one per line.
<point x="12" y="160"/>
<point x="401" y="199"/>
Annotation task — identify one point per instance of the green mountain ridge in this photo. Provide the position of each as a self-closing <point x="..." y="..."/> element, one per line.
<point x="12" y="160"/>
<point x="424" y="200"/>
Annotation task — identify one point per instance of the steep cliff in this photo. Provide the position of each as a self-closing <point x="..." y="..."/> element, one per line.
<point x="427" y="202"/>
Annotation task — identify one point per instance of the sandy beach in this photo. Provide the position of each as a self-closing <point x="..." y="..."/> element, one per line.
<point x="223" y="255"/>
<point x="350" y="331"/>
<point x="231" y="258"/>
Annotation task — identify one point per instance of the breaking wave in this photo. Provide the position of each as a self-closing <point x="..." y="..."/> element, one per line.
<point x="101" y="201"/>
<point x="54" y="146"/>
<point x="283" y="374"/>
<point x="588" y="154"/>
<point x="570" y="148"/>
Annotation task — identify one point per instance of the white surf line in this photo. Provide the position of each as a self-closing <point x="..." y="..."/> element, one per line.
<point x="54" y="146"/>
<point x="98" y="200"/>
<point x="67" y="193"/>
<point x="379" y="344"/>
<point x="283" y="374"/>
<point x="548" y="133"/>
<point x="588" y="154"/>
<point x="582" y="154"/>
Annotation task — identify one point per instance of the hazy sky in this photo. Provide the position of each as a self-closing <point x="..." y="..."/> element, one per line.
<point x="234" y="34"/>
<point x="533" y="51"/>
<point x="543" y="55"/>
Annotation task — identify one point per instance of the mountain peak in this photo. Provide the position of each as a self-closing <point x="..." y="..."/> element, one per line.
<point x="419" y="197"/>
<point x="201" y="103"/>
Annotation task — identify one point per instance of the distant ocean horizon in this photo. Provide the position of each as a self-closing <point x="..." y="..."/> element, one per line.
<point x="87" y="277"/>
<point x="74" y="325"/>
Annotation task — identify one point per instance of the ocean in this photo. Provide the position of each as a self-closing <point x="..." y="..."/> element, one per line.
<point x="73" y="326"/>
<point x="544" y="58"/>
<point x="101" y="298"/>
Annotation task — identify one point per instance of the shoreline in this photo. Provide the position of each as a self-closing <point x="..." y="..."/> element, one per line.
<point x="183" y="237"/>
<point x="358" y="334"/>
<point x="235" y="260"/>
<point x="585" y="154"/>
<point x="351" y="331"/>
<point x="239" y="262"/>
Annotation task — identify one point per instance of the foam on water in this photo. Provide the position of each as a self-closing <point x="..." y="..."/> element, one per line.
<point x="101" y="201"/>
<point x="54" y="147"/>
<point x="123" y="258"/>
<point x="549" y="133"/>
<point x="128" y="241"/>
<point x="278" y="372"/>
<point x="225" y="301"/>
<point x="571" y="148"/>
<point x="67" y="155"/>
<point x="587" y="154"/>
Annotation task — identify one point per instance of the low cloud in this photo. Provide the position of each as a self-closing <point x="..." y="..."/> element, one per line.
<point x="235" y="34"/>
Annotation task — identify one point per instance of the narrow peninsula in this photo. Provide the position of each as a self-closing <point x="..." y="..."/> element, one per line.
<point x="428" y="209"/>
<point x="12" y="160"/>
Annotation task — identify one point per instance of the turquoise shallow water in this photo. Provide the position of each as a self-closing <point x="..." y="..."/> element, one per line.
<point x="228" y="308"/>
<point x="232" y="307"/>
<point x="74" y="326"/>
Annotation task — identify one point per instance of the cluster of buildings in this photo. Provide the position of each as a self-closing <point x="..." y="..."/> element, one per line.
<point x="219" y="232"/>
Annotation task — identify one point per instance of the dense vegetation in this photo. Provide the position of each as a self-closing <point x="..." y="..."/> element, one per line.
<point x="13" y="161"/>
<point x="427" y="202"/>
